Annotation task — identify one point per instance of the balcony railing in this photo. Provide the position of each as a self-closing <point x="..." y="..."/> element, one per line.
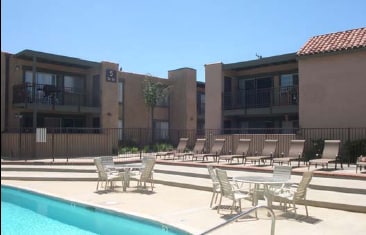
<point x="261" y="98"/>
<point x="50" y="94"/>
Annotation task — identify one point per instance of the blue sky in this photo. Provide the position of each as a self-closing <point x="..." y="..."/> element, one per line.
<point x="155" y="36"/>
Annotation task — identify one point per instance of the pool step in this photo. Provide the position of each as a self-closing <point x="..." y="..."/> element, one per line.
<point x="333" y="193"/>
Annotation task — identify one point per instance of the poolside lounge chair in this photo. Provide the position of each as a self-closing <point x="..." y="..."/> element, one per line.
<point x="361" y="162"/>
<point x="180" y="149"/>
<point x="269" y="149"/>
<point x="216" y="190"/>
<point x="146" y="174"/>
<point x="229" y="190"/>
<point x="106" y="175"/>
<point x="294" y="153"/>
<point x="197" y="149"/>
<point x="291" y="194"/>
<point x="330" y="154"/>
<point x="241" y="151"/>
<point x="215" y="151"/>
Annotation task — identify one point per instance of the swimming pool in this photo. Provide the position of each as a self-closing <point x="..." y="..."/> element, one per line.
<point x="25" y="212"/>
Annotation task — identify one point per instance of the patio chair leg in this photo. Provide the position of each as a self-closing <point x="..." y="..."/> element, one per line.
<point x="218" y="207"/>
<point x="212" y="198"/>
<point x="306" y="209"/>
<point x="232" y="206"/>
<point x="294" y="205"/>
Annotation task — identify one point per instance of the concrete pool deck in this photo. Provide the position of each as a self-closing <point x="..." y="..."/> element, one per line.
<point x="188" y="207"/>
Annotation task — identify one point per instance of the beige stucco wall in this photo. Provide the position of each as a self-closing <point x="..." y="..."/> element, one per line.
<point x="136" y="113"/>
<point x="109" y="97"/>
<point x="183" y="106"/>
<point x="332" y="90"/>
<point x="213" y="95"/>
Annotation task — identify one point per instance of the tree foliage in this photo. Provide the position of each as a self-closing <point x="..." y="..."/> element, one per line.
<point x="153" y="91"/>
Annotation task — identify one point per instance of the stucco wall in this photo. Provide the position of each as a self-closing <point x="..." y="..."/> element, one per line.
<point x="332" y="90"/>
<point x="213" y="96"/>
<point x="183" y="113"/>
<point x="136" y="112"/>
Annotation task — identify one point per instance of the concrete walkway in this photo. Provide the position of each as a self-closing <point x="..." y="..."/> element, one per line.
<point x="188" y="207"/>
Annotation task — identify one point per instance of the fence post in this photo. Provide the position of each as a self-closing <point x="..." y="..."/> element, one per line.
<point x="67" y="144"/>
<point x="53" y="146"/>
<point x="349" y="139"/>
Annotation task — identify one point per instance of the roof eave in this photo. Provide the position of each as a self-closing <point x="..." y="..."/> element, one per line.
<point x="56" y="59"/>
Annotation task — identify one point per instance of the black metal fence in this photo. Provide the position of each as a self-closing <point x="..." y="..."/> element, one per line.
<point x="84" y="142"/>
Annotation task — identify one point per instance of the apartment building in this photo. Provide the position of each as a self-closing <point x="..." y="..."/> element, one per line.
<point x="46" y="90"/>
<point x="261" y="93"/>
<point x="332" y="71"/>
<point x="322" y="85"/>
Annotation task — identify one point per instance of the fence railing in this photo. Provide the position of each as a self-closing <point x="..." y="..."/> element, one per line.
<point x="49" y="94"/>
<point x="259" y="98"/>
<point x="84" y="142"/>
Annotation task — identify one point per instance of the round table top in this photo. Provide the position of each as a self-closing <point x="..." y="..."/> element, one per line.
<point x="124" y="166"/>
<point x="260" y="179"/>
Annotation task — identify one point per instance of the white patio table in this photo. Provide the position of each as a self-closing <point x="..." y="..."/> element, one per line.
<point x="257" y="181"/>
<point x="126" y="169"/>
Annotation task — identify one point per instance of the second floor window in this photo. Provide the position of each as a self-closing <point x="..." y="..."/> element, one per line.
<point x="73" y="84"/>
<point x="120" y="92"/>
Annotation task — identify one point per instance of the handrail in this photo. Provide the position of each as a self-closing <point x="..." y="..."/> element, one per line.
<point x="242" y="214"/>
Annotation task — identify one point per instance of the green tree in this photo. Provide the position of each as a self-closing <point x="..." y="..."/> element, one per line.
<point x="153" y="92"/>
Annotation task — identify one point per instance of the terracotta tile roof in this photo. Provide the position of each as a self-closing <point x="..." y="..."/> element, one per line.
<point x="346" y="40"/>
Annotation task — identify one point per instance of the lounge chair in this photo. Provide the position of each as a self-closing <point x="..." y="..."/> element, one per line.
<point x="361" y="162"/>
<point x="145" y="175"/>
<point x="292" y="194"/>
<point x="269" y="149"/>
<point x="197" y="149"/>
<point x="294" y="153"/>
<point x="180" y="149"/>
<point x="229" y="190"/>
<point x="241" y="151"/>
<point x="106" y="175"/>
<point x="215" y="151"/>
<point x="216" y="190"/>
<point x="330" y="155"/>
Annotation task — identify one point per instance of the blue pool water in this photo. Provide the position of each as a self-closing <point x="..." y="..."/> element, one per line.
<point x="24" y="212"/>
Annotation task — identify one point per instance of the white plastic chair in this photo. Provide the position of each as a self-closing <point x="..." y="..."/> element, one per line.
<point x="216" y="190"/>
<point x="106" y="175"/>
<point x="229" y="191"/>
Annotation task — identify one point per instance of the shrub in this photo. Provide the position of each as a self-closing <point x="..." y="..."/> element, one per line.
<point x="353" y="149"/>
<point x="315" y="148"/>
<point x="162" y="147"/>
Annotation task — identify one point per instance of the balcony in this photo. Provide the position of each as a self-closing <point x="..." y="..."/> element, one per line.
<point x="50" y="97"/>
<point x="281" y="99"/>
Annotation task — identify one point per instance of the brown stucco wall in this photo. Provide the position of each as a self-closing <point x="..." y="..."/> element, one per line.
<point x="109" y="97"/>
<point x="214" y="88"/>
<point x="183" y="111"/>
<point x="136" y="113"/>
<point x="332" y="90"/>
